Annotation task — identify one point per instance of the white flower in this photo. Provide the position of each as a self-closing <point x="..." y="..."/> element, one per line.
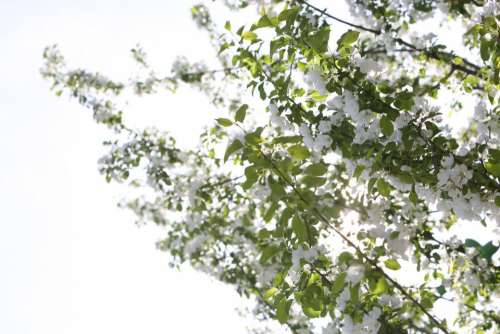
<point x="325" y="126"/>
<point x="355" y="273"/>
<point x="351" y="106"/>
<point x="306" y="133"/>
<point x="367" y="65"/>
<point x="314" y="78"/>
<point x="390" y="300"/>
<point x="331" y="328"/>
<point x="335" y="103"/>
<point x="343" y="298"/>
<point x="322" y="141"/>
<point x="370" y="321"/>
<point x="302" y="254"/>
<point x="471" y="279"/>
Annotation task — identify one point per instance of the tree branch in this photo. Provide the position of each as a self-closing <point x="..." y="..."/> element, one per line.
<point x="472" y="68"/>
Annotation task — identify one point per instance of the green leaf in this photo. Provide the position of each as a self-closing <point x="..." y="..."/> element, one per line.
<point x="276" y="44"/>
<point x="241" y="113"/>
<point x="441" y="290"/>
<point x="347" y="39"/>
<point x="251" y="177"/>
<point x="380" y="287"/>
<point x="497" y="201"/>
<point x="494" y="155"/>
<point x="492" y="168"/>
<point x="485" y="49"/>
<point x="487" y="250"/>
<point x="277" y="190"/>
<point x="313" y="181"/>
<point x="319" y="40"/>
<point x="227" y="26"/>
<point x="288" y="14"/>
<point x="315" y="277"/>
<point x="317" y="169"/>
<point x="345" y="257"/>
<point x="300" y="229"/>
<point x="383" y="187"/>
<point x="338" y="284"/>
<point x="283" y="309"/>
<point x="233" y="147"/>
<point x="224" y="122"/>
<point x="392" y="264"/>
<point x="270" y="212"/>
<point x="287" y="139"/>
<point x="471" y="243"/>
<point x="268" y="252"/>
<point x="386" y="126"/>
<point x="299" y="152"/>
<point x="269" y="293"/>
<point x="354" y="294"/>
<point x="263" y="22"/>
<point x="312" y="301"/>
<point x="262" y="92"/>
<point x="249" y="36"/>
<point x="359" y="169"/>
<point x="413" y="196"/>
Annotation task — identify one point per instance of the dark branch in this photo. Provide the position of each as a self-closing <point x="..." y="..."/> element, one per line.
<point x="471" y="68"/>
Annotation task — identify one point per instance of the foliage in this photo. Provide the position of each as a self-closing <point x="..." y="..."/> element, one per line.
<point x="344" y="170"/>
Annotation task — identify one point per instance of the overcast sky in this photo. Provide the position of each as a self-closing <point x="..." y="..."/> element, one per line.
<point x="70" y="260"/>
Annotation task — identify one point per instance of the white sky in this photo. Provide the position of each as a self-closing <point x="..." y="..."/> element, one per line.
<point x="70" y="260"/>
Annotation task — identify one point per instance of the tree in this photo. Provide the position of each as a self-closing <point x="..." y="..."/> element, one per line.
<point x="332" y="165"/>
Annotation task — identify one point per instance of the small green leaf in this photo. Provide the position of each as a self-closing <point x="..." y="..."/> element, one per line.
<point x="299" y="228"/>
<point x="485" y="49"/>
<point x="241" y="113"/>
<point x="283" y="309"/>
<point x="288" y="14"/>
<point x="413" y="196"/>
<point x="313" y="181"/>
<point x="319" y="40"/>
<point x="224" y="122"/>
<point x="233" y="147"/>
<point x="251" y="177"/>
<point x="317" y="169"/>
<point x="347" y="39"/>
<point x="338" y="284"/>
<point x="441" y="290"/>
<point x="359" y="169"/>
<point x="380" y="287"/>
<point x="277" y="190"/>
<point x="249" y="36"/>
<point x="287" y="140"/>
<point x="383" y="187"/>
<point x="299" y="152"/>
<point x="269" y="293"/>
<point x="487" y="250"/>
<point x="492" y="168"/>
<point x="268" y="252"/>
<point x="471" y="243"/>
<point x="345" y="257"/>
<point x="386" y="126"/>
<point x="227" y="26"/>
<point x="270" y="212"/>
<point x="392" y="264"/>
<point x="263" y="22"/>
<point x="394" y="234"/>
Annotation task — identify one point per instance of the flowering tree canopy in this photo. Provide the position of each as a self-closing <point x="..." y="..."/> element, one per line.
<point x="348" y="159"/>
